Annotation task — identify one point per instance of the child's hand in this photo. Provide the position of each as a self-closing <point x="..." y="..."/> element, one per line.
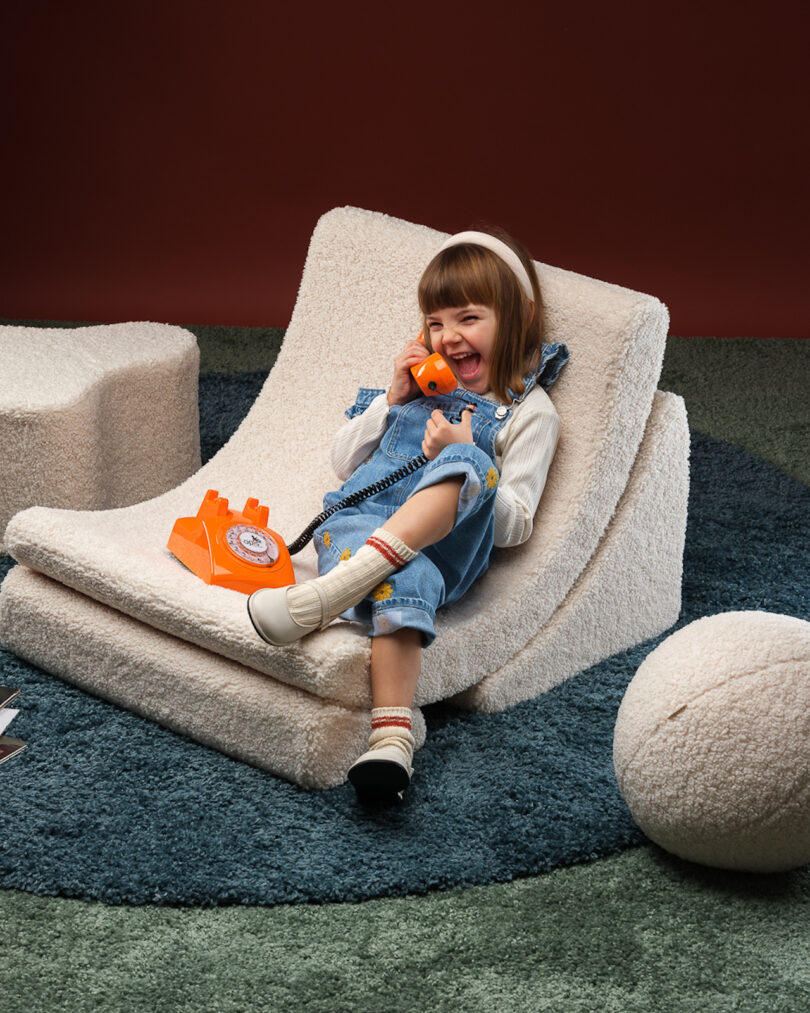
<point x="440" y="433"/>
<point x="403" y="387"/>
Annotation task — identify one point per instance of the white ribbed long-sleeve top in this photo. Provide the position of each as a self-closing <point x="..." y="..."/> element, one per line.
<point x="524" y="448"/>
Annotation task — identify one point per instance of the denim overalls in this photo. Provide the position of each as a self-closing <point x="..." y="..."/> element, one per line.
<point x="440" y="573"/>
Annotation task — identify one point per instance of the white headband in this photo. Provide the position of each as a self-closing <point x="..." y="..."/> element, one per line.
<point x="500" y="249"/>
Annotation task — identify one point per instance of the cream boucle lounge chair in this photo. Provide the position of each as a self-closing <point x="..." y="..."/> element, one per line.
<point x="98" y="599"/>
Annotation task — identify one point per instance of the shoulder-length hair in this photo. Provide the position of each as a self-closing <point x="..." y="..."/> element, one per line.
<point x="466" y="274"/>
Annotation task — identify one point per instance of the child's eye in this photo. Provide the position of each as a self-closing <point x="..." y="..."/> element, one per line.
<point x="470" y="317"/>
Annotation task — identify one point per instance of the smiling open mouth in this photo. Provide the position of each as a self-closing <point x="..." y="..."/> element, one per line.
<point x="467" y="366"/>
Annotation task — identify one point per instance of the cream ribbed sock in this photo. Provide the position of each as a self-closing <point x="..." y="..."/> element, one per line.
<point x="391" y="726"/>
<point x="349" y="582"/>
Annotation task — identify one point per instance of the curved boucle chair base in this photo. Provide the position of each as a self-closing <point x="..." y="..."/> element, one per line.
<point x="313" y="741"/>
<point x="600" y="571"/>
<point x="218" y="702"/>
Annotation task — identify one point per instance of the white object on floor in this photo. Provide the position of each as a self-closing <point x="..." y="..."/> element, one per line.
<point x="7" y="715"/>
<point x="601" y="571"/>
<point x="712" y="742"/>
<point x="95" y="417"/>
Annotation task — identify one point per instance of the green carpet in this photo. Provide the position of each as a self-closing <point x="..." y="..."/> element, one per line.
<point x="639" y="931"/>
<point x="750" y="392"/>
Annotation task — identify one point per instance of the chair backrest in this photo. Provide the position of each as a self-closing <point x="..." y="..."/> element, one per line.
<point x="357" y="305"/>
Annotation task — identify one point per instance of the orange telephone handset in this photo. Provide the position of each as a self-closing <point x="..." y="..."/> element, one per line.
<point x="232" y="549"/>
<point x="433" y="374"/>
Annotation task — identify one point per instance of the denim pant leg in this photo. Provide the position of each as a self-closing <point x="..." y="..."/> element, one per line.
<point x="339" y="537"/>
<point x="464" y="554"/>
<point x="407" y="598"/>
<point x="439" y="574"/>
<point x="474" y="466"/>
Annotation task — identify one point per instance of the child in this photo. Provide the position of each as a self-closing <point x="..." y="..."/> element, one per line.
<point x="393" y="559"/>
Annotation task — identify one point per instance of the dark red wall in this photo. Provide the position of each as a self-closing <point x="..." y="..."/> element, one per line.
<point x="170" y="161"/>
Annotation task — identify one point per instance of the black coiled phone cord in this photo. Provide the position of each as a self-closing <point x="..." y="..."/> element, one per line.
<point x="356" y="497"/>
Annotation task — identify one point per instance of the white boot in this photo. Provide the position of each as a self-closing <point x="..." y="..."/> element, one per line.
<point x="385" y="770"/>
<point x="282" y="615"/>
<point x="269" y="611"/>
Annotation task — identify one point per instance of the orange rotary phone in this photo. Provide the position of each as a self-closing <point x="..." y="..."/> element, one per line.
<point x="237" y="550"/>
<point x="232" y="549"/>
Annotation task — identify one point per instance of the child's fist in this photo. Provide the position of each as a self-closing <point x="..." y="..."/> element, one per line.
<point x="403" y="386"/>
<point x="440" y="432"/>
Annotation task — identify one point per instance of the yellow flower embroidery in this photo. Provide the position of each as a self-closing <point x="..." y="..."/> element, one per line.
<point x="492" y="478"/>
<point x="345" y="554"/>
<point x="383" y="591"/>
<point x="327" y="539"/>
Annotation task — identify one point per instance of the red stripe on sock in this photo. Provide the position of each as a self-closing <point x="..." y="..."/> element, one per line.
<point x="383" y="722"/>
<point x="385" y="549"/>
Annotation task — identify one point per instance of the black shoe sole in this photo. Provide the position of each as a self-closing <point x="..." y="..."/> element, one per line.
<point x="255" y="627"/>
<point x="379" y="779"/>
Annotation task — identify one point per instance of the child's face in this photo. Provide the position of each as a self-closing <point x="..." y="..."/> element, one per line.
<point x="465" y="336"/>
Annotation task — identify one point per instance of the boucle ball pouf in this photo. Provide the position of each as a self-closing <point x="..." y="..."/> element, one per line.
<point x="712" y="742"/>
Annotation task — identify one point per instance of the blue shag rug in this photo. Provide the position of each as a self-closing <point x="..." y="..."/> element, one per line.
<point x="105" y="805"/>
